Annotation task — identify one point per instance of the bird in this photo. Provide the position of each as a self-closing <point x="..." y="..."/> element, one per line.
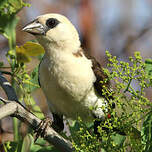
<point x="69" y="77"/>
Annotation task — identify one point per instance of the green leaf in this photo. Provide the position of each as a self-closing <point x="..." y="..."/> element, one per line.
<point x="75" y="126"/>
<point x="41" y="141"/>
<point x="148" y="68"/>
<point x="27" y="142"/>
<point x="35" y="109"/>
<point x="118" y="139"/>
<point x="34" y="79"/>
<point x="146" y="133"/>
<point x="33" y="49"/>
<point x="42" y="146"/>
<point x="28" y="49"/>
<point x="32" y="83"/>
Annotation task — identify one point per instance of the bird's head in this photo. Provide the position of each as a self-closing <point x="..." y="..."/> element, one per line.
<point x="55" y="30"/>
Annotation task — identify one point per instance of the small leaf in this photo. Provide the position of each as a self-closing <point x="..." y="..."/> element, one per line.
<point x="35" y="108"/>
<point x="42" y="146"/>
<point x="37" y="111"/>
<point x="34" y="79"/>
<point x="146" y="133"/>
<point x="118" y="139"/>
<point x="29" y="49"/>
<point x="27" y="142"/>
<point x="148" y="68"/>
<point x="33" y="49"/>
<point x="21" y="55"/>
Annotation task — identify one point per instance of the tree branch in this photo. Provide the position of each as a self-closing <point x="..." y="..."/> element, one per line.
<point x="14" y="108"/>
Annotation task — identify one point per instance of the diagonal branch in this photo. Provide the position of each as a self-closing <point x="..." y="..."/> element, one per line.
<point x="14" y="108"/>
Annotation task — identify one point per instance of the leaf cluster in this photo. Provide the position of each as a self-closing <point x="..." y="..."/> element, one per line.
<point x="127" y="127"/>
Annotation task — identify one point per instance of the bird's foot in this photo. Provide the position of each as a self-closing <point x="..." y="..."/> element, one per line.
<point x="57" y="123"/>
<point x="41" y="128"/>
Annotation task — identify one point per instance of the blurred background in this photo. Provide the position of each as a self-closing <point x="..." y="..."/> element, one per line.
<point x="121" y="27"/>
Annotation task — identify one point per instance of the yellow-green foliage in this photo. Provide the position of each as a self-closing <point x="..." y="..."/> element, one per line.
<point x="129" y="81"/>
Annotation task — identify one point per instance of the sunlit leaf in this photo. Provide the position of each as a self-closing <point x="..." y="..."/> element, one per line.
<point x="35" y="108"/>
<point x="27" y="142"/>
<point x="33" y="49"/>
<point x="27" y="50"/>
<point x="21" y="55"/>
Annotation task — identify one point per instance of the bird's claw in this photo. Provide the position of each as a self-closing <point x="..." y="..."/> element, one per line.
<point x="41" y="128"/>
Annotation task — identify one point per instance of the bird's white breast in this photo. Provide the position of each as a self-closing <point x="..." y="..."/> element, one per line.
<point x="67" y="82"/>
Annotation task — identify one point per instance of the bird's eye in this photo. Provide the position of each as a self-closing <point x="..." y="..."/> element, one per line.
<point x="52" y="22"/>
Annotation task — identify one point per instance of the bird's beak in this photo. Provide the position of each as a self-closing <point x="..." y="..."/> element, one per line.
<point x="35" y="28"/>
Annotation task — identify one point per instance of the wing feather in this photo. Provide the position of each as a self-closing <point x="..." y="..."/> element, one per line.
<point x="100" y="77"/>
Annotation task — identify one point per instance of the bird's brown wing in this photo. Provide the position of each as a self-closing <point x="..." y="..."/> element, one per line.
<point x="100" y="77"/>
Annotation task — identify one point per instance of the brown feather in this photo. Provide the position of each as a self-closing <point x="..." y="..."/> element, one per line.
<point x="100" y="76"/>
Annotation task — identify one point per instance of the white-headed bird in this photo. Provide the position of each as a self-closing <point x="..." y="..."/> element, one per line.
<point x="69" y="78"/>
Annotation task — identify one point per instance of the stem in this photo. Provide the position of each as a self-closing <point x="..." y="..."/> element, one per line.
<point x="15" y="129"/>
<point x="10" y="43"/>
<point x="128" y="86"/>
<point x="15" y="121"/>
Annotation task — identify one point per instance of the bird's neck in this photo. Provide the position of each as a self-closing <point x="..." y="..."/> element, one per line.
<point x="57" y="48"/>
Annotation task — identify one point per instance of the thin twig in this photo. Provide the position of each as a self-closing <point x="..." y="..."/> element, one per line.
<point x="128" y="86"/>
